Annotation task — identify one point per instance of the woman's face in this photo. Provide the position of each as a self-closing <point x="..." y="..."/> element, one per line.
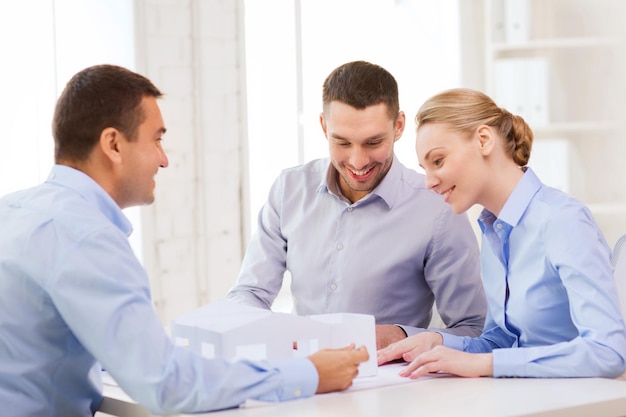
<point x="453" y="163"/>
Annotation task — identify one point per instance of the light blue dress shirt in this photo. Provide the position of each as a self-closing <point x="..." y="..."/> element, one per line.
<point x="390" y="254"/>
<point x="553" y="306"/>
<point x="73" y="293"/>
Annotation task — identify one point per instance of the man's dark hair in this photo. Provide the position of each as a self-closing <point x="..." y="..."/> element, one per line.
<point x="98" y="97"/>
<point x="361" y="84"/>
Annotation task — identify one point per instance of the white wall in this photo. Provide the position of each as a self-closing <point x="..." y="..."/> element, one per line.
<point x="193" y="233"/>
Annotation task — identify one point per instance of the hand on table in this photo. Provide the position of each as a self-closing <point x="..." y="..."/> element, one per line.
<point x="337" y="367"/>
<point x="452" y="361"/>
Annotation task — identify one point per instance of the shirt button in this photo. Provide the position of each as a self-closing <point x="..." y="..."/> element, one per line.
<point x="52" y="176"/>
<point x="499" y="225"/>
<point x="333" y="286"/>
<point x="349" y="208"/>
<point x="297" y="393"/>
<point x="339" y="246"/>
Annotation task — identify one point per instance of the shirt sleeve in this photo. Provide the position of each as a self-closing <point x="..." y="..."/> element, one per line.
<point x="578" y="253"/>
<point x="264" y="264"/>
<point x="453" y="273"/>
<point x="492" y="337"/>
<point x="102" y="293"/>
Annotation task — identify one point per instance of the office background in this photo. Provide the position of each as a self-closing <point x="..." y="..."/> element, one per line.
<point x="242" y="82"/>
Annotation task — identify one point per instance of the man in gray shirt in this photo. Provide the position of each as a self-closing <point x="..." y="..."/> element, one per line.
<point x="358" y="231"/>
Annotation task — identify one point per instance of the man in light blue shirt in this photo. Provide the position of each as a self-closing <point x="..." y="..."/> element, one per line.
<point x="73" y="297"/>
<point x="358" y="231"/>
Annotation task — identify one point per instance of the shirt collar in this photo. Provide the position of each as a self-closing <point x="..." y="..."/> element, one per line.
<point x="92" y="192"/>
<point x="516" y="204"/>
<point x="387" y="190"/>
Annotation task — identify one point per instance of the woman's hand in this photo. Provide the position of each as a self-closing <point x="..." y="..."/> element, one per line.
<point x="443" y="359"/>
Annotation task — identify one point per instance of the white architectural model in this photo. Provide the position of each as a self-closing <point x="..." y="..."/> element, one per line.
<point x="235" y="331"/>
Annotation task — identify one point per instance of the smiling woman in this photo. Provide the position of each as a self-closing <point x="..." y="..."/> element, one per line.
<point x="545" y="264"/>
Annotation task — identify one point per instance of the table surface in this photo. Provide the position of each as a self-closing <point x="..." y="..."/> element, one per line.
<point x="440" y="395"/>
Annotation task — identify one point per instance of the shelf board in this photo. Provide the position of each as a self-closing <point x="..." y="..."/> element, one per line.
<point x="502" y="48"/>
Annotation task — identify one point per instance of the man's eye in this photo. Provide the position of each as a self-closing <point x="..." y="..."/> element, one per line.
<point x="437" y="162"/>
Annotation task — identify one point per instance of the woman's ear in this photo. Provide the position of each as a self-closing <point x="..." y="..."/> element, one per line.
<point x="486" y="139"/>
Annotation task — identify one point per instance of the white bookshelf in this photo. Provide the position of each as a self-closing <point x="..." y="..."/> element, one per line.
<point x="561" y="64"/>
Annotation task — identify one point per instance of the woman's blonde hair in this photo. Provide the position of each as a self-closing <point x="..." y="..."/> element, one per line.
<point x="464" y="110"/>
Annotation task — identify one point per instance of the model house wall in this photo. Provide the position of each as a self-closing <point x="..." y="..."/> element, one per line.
<point x="236" y="331"/>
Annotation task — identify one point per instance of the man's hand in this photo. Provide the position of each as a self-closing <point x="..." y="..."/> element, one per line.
<point x="386" y="334"/>
<point x="409" y="348"/>
<point x="337" y="367"/>
<point x="443" y="359"/>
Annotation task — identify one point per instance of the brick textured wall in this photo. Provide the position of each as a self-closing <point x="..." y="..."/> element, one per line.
<point x="194" y="233"/>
